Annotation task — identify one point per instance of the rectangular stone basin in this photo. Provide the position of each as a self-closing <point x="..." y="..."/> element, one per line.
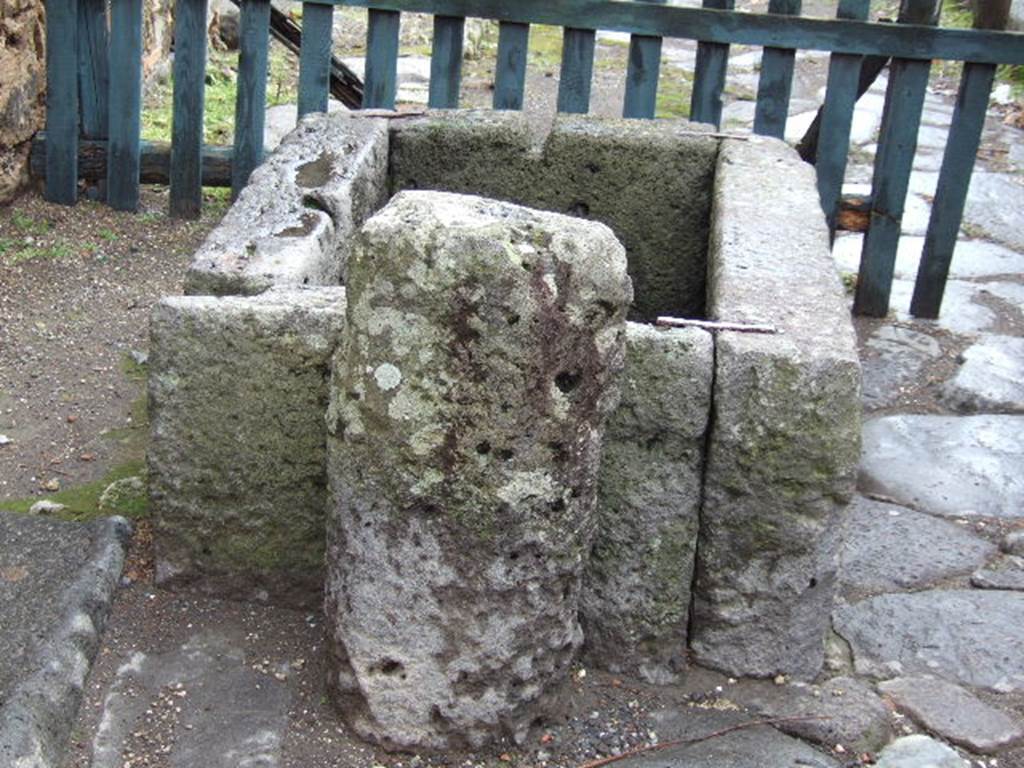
<point x="725" y="469"/>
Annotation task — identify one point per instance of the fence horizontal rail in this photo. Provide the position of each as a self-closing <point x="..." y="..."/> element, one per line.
<point x="154" y="161"/>
<point x="907" y="41"/>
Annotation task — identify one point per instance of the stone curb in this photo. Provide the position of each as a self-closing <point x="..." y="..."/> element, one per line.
<point x="36" y="721"/>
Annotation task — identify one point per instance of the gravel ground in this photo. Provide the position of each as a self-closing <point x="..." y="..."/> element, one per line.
<point x="76" y="287"/>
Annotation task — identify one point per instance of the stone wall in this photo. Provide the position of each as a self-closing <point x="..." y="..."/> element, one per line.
<point x="650" y="181"/>
<point x="23" y="78"/>
<point x="728" y="464"/>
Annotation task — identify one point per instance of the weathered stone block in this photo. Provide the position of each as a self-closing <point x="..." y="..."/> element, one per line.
<point x="636" y="598"/>
<point x="650" y="181"/>
<point x="467" y="410"/>
<point x="238" y="392"/>
<point x="294" y="222"/>
<point x="785" y="432"/>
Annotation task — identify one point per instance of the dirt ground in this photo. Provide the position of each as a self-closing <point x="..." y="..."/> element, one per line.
<point x="76" y="287"/>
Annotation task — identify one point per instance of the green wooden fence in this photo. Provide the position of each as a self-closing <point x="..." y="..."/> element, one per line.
<point x="94" y="87"/>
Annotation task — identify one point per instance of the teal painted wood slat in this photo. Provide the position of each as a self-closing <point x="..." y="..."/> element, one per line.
<point x="93" y="70"/>
<point x="446" y="62"/>
<point x="577" y="70"/>
<point x="187" y="119"/>
<point x="775" y="83"/>
<point x="951" y="193"/>
<point x="61" y="102"/>
<point x="709" y="75"/>
<point x="642" y="72"/>
<point x="510" y="65"/>
<point x="251" y="91"/>
<point x="123" y="161"/>
<point x="733" y="27"/>
<point x="897" y="143"/>
<point x="315" y="58"/>
<point x="381" y="82"/>
<point x="837" y="118"/>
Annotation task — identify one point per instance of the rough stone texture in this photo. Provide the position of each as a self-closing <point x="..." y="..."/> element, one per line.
<point x="1013" y="543"/>
<point x="636" y="598"/>
<point x="22" y="88"/>
<point x="649" y="181"/>
<point x="786" y="424"/>
<point x="889" y="548"/>
<point x="990" y="379"/>
<point x="894" y="360"/>
<point x="238" y="390"/>
<point x="57" y="581"/>
<point x="23" y="78"/>
<point x="757" y="747"/>
<point x="294" y="222"/>
<point x="971" y="637"/>
<point x="1005" y="573"/>
<point x="467" y="410"/>
<point x="233" y="713"/>
<point x="956" y="715"/>
<point x="947" y="465"/>
<point x="919" y="751"/>
<point x="848" y="712"/>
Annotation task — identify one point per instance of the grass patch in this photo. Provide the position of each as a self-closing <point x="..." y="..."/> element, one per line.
<point x="545" y="46"/>
<point x="82" y="501"/>
<point x="675" y="87"/>
<point x="14" y="252"/>
<point x="219" y="112"/>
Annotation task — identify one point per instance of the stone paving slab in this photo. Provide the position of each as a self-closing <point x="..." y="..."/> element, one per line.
<point x="888" y="548"/>
<point x="919" y="751"/>
<point x="57" y="580"/>
<point x="990" y="379"/>
<point x="226" y="712"/>
<point x="971" y="258"/>
<point x="895" y="357"/>
<point x="956" y="715"/>
<point x="946" y="465"/>
<point x="972" y="637"/>
<point x="1005" y="573"/>
<point x="847" y="711"/>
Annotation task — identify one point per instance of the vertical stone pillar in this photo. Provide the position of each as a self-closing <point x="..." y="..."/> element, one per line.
<point x="636" y="597"/>
<point x="467" y="410"/>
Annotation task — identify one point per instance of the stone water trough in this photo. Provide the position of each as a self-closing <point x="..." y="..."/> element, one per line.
<point x="412" y="381"/>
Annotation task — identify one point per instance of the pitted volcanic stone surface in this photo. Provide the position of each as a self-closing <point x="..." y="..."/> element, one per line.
<point x="237" y="395"/>
<point x="990" y="379"/>
<point x="888" y="548"/>
<point x="947" y="465"/>
<point x="29" y="581"/>
<point x="783" y="447"/>
<point x="971" y="637"/>
<point x="636" y="598"/>
<point x="467" y="409"/>
<point x="954" y="714"/>
<point x="649" y="180"/>
<point x="293" y="223"/>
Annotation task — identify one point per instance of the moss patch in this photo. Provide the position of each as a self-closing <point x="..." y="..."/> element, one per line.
<point x="675" y="87"/>
<point x="82" y="501"/>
